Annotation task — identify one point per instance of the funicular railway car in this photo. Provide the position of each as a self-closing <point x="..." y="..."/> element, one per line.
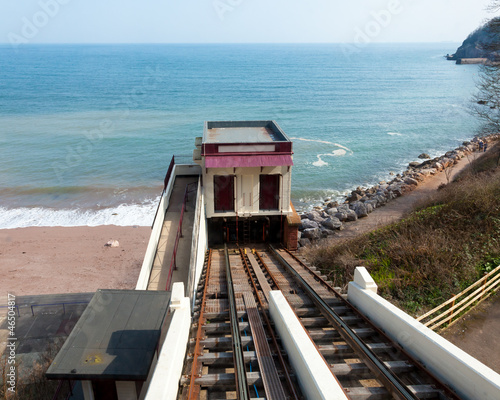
<point x="246" y="174"/>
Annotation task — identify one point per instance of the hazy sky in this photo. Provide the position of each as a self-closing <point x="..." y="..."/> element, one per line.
<point x="167" y="21"/>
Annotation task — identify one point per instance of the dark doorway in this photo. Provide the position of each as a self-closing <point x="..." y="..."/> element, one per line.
<point x="269" y="198"/>
<point x="224" y="193"/>
<point x="105" y="389"/>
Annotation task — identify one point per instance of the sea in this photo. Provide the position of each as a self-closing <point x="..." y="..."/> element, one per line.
<point x="87" y="131"/>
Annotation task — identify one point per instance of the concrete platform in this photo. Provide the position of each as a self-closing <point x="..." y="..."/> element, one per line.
<point x="165" y="249"/>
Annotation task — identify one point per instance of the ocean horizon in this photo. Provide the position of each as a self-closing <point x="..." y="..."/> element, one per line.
<point x="87" y="131"/>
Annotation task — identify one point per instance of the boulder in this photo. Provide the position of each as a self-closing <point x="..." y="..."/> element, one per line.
<point x="332" y="223"/>
<point x="343" y="208"/>
<point x="354" y="197"/>
<point x="315" y="216"/>
<point x="332" y="211"/>
<point x="341" y="216"/>
<point x="424" y="156"/>
<point x="311" y="233"/>
<point x="112" y="243"/>
<point x="351" y="215"/>
<point x="360" y="209"/>
<point x="411" y="181"/>
<point x="326" y="232"/>
<point x="414" y="164"/>
<point x="308" y="224"/>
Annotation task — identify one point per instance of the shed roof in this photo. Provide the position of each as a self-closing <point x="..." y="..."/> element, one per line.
<point x="243" y="132"/>
<point x="115" y="338"/>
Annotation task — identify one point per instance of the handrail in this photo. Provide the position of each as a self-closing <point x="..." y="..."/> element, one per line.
<point x="173" y="265"/>
<point x="168" y="175"/>
<point x="16" y="306"/>
<point x="485" y="288"/>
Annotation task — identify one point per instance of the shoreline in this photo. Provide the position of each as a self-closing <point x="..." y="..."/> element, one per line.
<point x="51" y="260"/>
<point x="389" y="201"/>
<point x="58" y="259"/>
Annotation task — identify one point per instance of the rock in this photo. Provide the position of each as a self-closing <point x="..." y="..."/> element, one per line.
<point x="308" y="224"/>
<point x="428" y="171"/>
<point x="112" y="243"/>
<point x="414" y="164"/>
<point x="332" y="211"/>
<point x="437" y="165"/>
<point x="411" y="181"/>
<point x="360" y="209"/>
<point x="315" y="216"/>
<point x="419" y="177"/>
<point x="311" y="233"/>
<point x="424" y="156"/>
<point x="341" y="216"/>
<point x="332" y="204"/>
<point x="354" y="197"/>
<point x="351" y="215"/>
<point x="332" y="223"/>
<point x="326" y="232"/>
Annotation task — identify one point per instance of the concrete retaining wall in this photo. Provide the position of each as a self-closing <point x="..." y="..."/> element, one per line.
<point x="165" y="382"/>
<point x="199" y="245"/>
<point x="313" y="373"/>
<point x="467" y="376"/>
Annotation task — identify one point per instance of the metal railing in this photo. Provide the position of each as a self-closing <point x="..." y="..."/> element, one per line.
<point x="179" y="160"/>
<point x="462" y="302"/>
<point x="9" y="307"/>
<point x="173" y="262"/>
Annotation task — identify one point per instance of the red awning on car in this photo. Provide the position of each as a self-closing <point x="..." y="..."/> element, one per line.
<point x="248" y="161"/>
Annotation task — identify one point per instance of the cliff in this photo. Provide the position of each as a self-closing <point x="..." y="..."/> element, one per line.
<point x="482" y="43"/>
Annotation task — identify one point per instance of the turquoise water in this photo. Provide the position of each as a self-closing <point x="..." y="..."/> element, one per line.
<point x="87" y="131"/>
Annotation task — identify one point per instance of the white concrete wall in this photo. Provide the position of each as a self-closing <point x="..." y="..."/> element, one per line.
<point x="247" y="189"/>
<point x="467" y="376"/>
<point x="313" y="373"/>
<point x="165" y="382"/>
<point x="88" y="391"/>
<point x="126" y="390"/>
<point x="199" y="245"/>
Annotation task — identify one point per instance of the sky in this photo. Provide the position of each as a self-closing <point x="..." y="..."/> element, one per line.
<point x="239" y="21"/>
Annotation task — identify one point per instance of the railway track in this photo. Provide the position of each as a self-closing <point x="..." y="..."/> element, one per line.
<point x="234" y="352"/>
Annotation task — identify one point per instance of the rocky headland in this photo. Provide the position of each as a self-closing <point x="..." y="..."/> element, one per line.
<point x="479" y="44"/>
<point x="326" y="220"/>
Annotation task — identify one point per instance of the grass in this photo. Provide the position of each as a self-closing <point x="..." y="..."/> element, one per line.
<point x="438" y="250"/>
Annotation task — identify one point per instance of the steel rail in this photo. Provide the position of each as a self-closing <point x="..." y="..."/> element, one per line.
<point x="194" y="391"/>
<point x="392" y="383"/>
<point x="288" y="378"/>
<point x="445" y="388"/>
<point x="240" y="372"/>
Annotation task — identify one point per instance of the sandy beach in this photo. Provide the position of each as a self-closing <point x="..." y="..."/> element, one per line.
<point x="48" y="260"/>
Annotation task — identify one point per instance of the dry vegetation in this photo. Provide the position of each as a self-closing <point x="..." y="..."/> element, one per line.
<point x="31" y="383"/>
<point x="438" y="250"/>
